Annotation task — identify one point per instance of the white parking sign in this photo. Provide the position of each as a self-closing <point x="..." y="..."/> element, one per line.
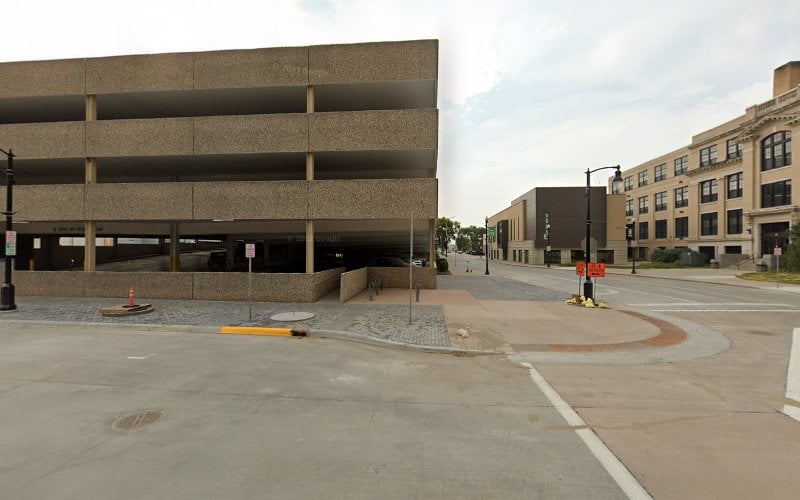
<point x="250" y="250"/>
<point x="11" y="243"/>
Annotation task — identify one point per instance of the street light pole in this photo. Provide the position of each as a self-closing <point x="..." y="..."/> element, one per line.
<point x="486" y="246"/>
<point x="616" y="184"/>
<point x="7" y="290"/>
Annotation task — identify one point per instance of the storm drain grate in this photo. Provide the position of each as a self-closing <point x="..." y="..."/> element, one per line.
<point x="137" y="420"/>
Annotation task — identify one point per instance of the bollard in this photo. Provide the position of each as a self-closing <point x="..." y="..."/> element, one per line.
<point x="370" y="292"/>
<point x="417" y="291"/>
<point x="130" y="296"/>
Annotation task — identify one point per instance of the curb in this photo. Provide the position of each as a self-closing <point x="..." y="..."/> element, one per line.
<point x="328" y="334"/>
<point x="260" y="330"/>
<point x="366" y="339"/>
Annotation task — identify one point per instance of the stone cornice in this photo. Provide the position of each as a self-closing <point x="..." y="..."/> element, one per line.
<point x="713" y="166"/>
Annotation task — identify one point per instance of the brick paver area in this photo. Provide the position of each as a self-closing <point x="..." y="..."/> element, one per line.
<point x="383" y="321"/>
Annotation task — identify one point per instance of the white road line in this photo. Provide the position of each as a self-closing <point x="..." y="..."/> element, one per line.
<point x="615" y="468"/>
<point x="797" y="311"/>
<point x="709" y="304"/>
<point x="793" y="377"/>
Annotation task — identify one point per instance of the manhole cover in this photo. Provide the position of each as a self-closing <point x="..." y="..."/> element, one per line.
<point x="291" y="316"/>
<point x="137" y="420"/>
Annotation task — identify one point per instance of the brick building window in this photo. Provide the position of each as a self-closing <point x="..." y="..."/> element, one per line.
<point x="643" y="205"/>
<point x="708" y="191"/>
<point x="735" y="185"/>
<point x="682" y="227"/>
<point x="776" y="150"/>
<point x="776" y="194"/>
<point x="682" y="197"/>
<point x="708" y="156"/>
<point x="642" y="176"/>
<point x="628" y="183"/>
<point x="629" y="208"/>
<point x="733" y="148"/>
<point x="708" y="224"/>
<point x="661" y="201"/>
<point x="661" y="229"/>
<point x="681" y="165"/>
<point x="735" y="221"/>
<point x="643" y="230"/>
<point x="660" y="172"/>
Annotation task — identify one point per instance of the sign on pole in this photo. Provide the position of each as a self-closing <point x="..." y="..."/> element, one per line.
<point x="491" y="232"/>
<point x="250" y="252"/>
<point x="597" y="270"/>
<point x="580" y="268"/>
<point x="778" y="251"/>
<point x="11" y="243"/>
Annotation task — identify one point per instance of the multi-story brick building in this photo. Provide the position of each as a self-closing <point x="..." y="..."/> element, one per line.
<point x="319" y="154"/>
<point x="728" y="194"/>
<point x="522" y="235"/>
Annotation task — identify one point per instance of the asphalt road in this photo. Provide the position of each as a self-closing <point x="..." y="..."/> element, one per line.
<point x="263" y="417"/>
<point x="705" y="428"/>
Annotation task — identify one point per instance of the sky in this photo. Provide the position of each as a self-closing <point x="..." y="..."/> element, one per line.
<point x="530" y="93"/>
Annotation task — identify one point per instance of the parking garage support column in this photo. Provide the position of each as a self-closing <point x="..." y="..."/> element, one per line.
<point x="174" y="249"/>
<point x="90" y="227"/>
<point x="309" y="177"/>
<point x="431" y="242"/>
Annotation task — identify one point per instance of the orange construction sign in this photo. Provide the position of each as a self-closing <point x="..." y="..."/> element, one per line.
<point x="597" y="270"/>
<point x="580" y="268"/>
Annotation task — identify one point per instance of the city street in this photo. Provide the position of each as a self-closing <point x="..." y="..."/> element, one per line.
<point x="162" y="412"/>
<point x="698" y="428"/>
<point x="265" y="417"/>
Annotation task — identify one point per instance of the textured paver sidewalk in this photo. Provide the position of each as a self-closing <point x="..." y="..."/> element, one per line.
<point x="383" y="321"/>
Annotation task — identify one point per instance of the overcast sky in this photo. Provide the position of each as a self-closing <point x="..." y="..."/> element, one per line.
<point x="531" y="93"/>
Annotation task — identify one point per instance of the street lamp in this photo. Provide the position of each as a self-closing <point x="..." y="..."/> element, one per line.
<point x="616" y="184"/>
<point x="486" y="246"/>
<point x="7" y="290"/>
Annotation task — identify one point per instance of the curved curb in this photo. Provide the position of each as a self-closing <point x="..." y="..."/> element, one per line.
<point x="366" y="339"/>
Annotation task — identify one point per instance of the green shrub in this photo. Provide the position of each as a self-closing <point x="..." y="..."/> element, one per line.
<point x="666" y="255"/>
<point x="441" y="265"/>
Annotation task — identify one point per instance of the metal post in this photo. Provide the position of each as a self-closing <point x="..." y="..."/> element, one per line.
<point x="7" y="291"/>
<point x="486" y="246"/>
<point x="587" y="285"/>
<point x="411" y="269"/>
<point x="250" y="287"/>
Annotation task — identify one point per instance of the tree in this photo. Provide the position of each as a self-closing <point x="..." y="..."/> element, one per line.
<point x="470" y="238"/>
<point x="446" y="231"/>
<point x="791" y="259"/>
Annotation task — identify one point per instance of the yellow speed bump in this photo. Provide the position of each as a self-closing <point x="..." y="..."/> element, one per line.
<point x="257" y="330"/>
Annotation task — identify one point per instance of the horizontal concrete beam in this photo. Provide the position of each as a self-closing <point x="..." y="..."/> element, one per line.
<point x="251" y="68"/>
<point x="276" y="200"/>
<point x="139" y="73"/>
<point x="45" y="140"/>
<point x="280" y="133"/>
<point x="373" y="62"/>
<point x="374" y="130"/>
<point x="43" y="78"/>
<point x="373" y="199"/>
<point x="141" y="201"/>
<point x="251" y="200"/>
<point x="153" y="137"/>
<point x="47" y="202"/>
<point x="265" y="67"/>
<point x="284" y="133"/>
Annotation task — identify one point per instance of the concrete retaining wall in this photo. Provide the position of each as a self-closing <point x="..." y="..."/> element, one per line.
<point x="397" y="277"/>
<point x="273" y="287"/>
<point x="352" y="284"/>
